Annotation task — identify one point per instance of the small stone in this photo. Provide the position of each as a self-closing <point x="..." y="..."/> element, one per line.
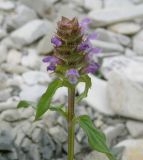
<point x="3" y="80"/>
<point x="7" y="6"/>
<point x="31" y="60"/>
<point x="135" y="128"/>
<point x="34" y="152"/>
<point x="58" y="133"/>
<point x="127" y="28"/>
<point x="97" y="95"/>
<point x="30" y="32"/>
<point x="133" y="149"/>
<point x="3" y="53"/>
<point x="5" y="94"/>
<point x="137" y="43"/>
<point x="93" y="4"/>
<point x="14" y="57"/>
<point x="34" y="77"/>
<point x="12" y="68"/>
<point x="10" y="115"/>
<point x="106" y="17"/>
<point x="2" y="33"/>
<point x="23" y="15"/>
<point x="32" y="93"/>
<point x="95" y="156"/>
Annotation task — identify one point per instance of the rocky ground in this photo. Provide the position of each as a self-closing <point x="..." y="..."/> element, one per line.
<point x="115" y="101"/>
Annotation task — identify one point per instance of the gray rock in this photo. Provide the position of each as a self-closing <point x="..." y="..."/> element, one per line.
<point x="23" y="15"/>
<point x="92" y="4"/>
<point x="32" y="93"/>
<point x="3" y="53"/>
<point x="127" y="28"/>
<point x="31" y="60"/>
<point x="34" y="153"/>
<point x="30" y="32"/>
<point x="7" y="6"/>
<point x="14" y="57"/>
<point x="42" y="7"/>
<point x="113" y="132"/>
<point x="2" y="33"/>
<point x="132" y="149"/>
<point x="5" y="94"/>
<point x="95" y="156"/>
<point x="110" y="16"/>
<point x="107" y="47"/>
<point x="129" y="101"/>
<point x="34" y="77"/>
<point x="135" y="128"/>
<point x="13" y="68"/>
<point x="97" y="95"/>
<point x="3" y="80"/>
<point x="108" y="36"/>
<point x="6" y="138"/>
<point x="137" y="43"/>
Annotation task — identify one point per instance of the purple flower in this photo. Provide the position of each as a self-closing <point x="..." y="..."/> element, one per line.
<point x="91" y="68"/>
<point x="84" y="24"/>
<point x="56" y="41"/>
<point x="92" y="36"/>
<point x="52" y="60"/>
<point x="72" y="75"/>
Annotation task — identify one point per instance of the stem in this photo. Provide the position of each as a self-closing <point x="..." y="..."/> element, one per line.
<point x="71" y="98"/>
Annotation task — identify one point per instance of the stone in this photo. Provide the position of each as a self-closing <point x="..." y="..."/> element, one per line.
<point x="116" y="4"/>
<point x="106" y="46"/>
<point x="127" y="65"/>
<point x="6" y="138"/>
<point x="94" y="155"/>
<point x="10" y="115"/>
<point x="2" y="33"/>
<point x="34" y="152"/>
<point x="3" y="53"/>
<point x="3" y="80"/>
<point x="129" y="53"/>
<point x="108" y="36"/>
<point x="31" y="60"/>
<point x="133" y="149"/>
<point x="137" y="43"/>
<point x="34" y="77"/>
<point x="23" y="15"/>
<point x="32" y="93"/>
<point x="129" y="101"/>
<point x="97" y="95"/>
<point x="30" y="32"/>
<point x="14" y="57"/>
<point x="13" y="68"/>
<point x="112" y="132"/>
<point x="42" y="7"/>
<point x="135" y="128"/>
<point x="127" y="28"/>
<point x="5" y="94"/>
<point x="109" y="16"/>
<point x="44" y="45"/>
<point x="93" y="4"/>
<point x="7" y="6"/>
<point x="58" y="133"/>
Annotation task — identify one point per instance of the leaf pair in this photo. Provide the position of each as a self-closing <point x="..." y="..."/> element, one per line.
<point x="96" y="138"/>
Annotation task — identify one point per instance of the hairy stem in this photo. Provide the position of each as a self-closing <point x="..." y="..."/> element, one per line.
<point x="71" y="99"/>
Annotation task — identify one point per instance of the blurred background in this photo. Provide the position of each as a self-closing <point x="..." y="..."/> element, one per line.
<point x="115" y="101"/>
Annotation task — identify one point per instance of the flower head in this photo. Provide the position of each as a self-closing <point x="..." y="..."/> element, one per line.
<point x="91" y="68"/>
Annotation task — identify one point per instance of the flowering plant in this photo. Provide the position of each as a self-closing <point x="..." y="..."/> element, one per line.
<point x="71" y="61"/>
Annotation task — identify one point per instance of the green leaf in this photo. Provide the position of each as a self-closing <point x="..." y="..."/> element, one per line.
<point x="87" y="81"/>
<point x="45" y="100"/>
<point x="59" y="109"/>
<point x="96" y="138"/>
<point x="25" y="104"/>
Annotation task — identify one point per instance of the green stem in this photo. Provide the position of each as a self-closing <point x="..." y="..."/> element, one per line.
<point x="71" y="99"/>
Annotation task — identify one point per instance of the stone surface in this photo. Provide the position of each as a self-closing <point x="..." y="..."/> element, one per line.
<point x="135" y="128"/>
<point x="110" y="16"/>
<point x="129" y="101"/>
<point x="93" y="4"/>
<point x="7" y="6"/>
<point x="133" y="149"/>
<point x="42" y="7"/>
<point x="137" y="43"/>
<point x="97" y="95"/>
<point x="2" y="33"/>
<point x="30" y="32"/>
<point x="125" y="28"/>
<point x="3" y="53"/>
<point x="22" y="16"/>
<point x="95" y="156"/>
